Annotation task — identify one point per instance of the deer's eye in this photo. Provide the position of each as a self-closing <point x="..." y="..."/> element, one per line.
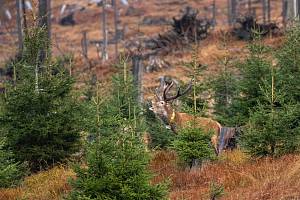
<point x="162" y="103"/>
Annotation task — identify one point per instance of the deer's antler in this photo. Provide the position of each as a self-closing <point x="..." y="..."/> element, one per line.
<point x="158" y="96"/>
<point x="178" y="94"/>
<point x="162" y="88"/>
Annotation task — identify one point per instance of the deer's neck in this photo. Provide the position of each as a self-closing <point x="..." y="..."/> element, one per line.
<point x="169" y="113"/>
<point x="172" y="118"/>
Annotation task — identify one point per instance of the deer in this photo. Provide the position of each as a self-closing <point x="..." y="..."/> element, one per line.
<point x="162" y="107"/>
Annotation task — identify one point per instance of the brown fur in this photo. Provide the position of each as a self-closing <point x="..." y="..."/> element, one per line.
<point x="181" y="120"/>
<point x="146" y="140"/>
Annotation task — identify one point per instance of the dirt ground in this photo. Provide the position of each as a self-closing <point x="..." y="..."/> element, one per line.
<point x="67" y="39"/>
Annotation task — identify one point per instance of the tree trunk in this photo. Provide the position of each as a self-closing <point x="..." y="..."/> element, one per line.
<point x="45" y="22"/>
<point x="284" y="12"/>
<point x="104" y="23"/>
<point x="249" y="7"/>
<point x="116" y="16"/>
<point x="138" y="75"/>
<point x="84" y="48"/>
<point x="264" y="9"/>
<point x="269" y="10"/>
<point x="1" y="4"/>
<point x="234" y="13"/>
<point x="214" y="13"/>
<point x="45" y="15"/>
<point x="231" y="11"/>
<point x="24" y="16"/>
<point x="296" y="8"/>
<point x="291" y="13"/>
<point x="20" y="26"/>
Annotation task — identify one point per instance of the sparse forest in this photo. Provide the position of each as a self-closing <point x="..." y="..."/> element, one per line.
<point x="156" y="100"/>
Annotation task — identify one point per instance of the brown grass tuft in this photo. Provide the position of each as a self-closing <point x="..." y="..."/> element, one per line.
<point x="46" y="185"/>
<point x="242" y="178"/>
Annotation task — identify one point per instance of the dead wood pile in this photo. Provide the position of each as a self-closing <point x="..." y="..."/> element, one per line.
<point x="185" y="30"/>
<point x="246" y="28"/>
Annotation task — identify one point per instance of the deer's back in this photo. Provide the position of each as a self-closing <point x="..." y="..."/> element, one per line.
<point x="207" y="124"/>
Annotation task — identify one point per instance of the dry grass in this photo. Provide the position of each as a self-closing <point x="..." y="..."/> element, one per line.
<point x="67" y="39"/>
<point x="46" y="185"/>
<point x="241" y="177"/>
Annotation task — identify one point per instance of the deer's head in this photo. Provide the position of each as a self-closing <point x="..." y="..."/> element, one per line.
<point x="161" y="105"/>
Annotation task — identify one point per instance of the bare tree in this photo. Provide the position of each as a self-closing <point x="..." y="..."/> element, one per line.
<point x="214" y="13"/>
<point x="264" y="8"/>
<point x="284" y="12"/>
<point x="20" y="24"/>
<point x="84" y="48"/>
<point x="2" y="4"/>
<point x="231" y="11"/>
<point x="116" y="18"/>
<point x="296" y="5"/>
<point x="249" y="7"/>
<point x="84" y="44"/>
<point x="138" y="70"/>
<point x="292" y="9"/>
<point x="269" y="10"/>
<point x="266" y="5"/>
<point x="24" y="16"/>
<point x="104" y="29"/>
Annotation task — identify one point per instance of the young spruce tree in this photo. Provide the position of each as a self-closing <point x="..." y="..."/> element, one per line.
<point x="11" y="172"/>
<point x="274" y="127"/>
<point x="117" y="163"/>
<point x="253" y="71"/>
<point x="224" y="87"/>
<point x="288" y="58"/>
<point x="192" y="143"/>
<point x="41" y="117"/>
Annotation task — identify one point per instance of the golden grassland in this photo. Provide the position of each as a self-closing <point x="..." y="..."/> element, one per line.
<point x="46" y="185"/>
<point x="241" y="177"/>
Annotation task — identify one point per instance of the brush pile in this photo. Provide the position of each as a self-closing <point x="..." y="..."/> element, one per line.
<point x="246" y="28"/>
<point x="188" y="29"/>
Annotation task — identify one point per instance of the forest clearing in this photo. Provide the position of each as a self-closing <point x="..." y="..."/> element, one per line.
<point x="149" y="100"/>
